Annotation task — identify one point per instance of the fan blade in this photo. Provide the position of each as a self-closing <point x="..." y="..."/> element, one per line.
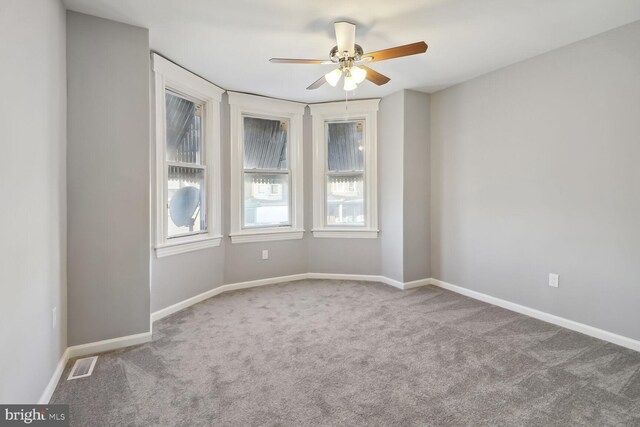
<point x="317" y="83"/>
<point x="299" y="61"/>
<point x="374" y="76"/>
<point x="345" y="37"/>
<point x="396" y="52"/>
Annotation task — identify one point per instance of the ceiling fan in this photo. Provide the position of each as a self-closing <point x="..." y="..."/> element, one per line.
<point x="350" y="58"/>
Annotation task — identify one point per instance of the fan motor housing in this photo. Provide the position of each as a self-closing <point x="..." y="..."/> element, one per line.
<point x="335" y="57"/>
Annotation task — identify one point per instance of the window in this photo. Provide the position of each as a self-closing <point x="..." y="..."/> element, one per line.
<point x="345" y="173"/>
<point x="187" y="160"/>
<point x="266" y="173"/>
<point x="186" y="171"/>
<point x="345" y="169"/>
<point x="266" y="169"/>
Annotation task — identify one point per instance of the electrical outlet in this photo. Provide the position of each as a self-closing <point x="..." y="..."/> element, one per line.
<point x="554" y="280"/>
<point x="54" y="317"/>
<point x="265" y="254"/>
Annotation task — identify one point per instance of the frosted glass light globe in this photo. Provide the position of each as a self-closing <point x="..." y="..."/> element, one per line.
<point x="333" y="77"/>
<point x="358" y="74"/>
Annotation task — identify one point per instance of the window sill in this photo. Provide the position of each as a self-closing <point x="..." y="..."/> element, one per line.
<point x="183" y="246"/>
<point x="346" y="233"/>
<point x="266" y="235"/>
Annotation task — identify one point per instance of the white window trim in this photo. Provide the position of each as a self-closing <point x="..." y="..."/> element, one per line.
<point x="365" y="110"/>
<point x="170" y="75"/>
<point x="242" y="104"/>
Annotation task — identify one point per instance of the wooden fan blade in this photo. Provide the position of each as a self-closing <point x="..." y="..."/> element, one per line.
<point x="374" y="76"/>
<point x="299" y="61"/>
<point x="317" y="83"/>
<point x="396" y="52"/>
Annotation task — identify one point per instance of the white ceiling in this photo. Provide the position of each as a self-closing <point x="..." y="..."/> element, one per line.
<point x="230" y="42"/>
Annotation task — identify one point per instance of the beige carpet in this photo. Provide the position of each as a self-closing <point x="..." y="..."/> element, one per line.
<point x="327" y="352"/>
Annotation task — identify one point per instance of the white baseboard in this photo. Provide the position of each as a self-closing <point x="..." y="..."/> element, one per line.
<point x="262" y="282"/>
<point x="371" y="278"/>
<point x="53" y="382"/>
<point x="108" y="345"/>
<point x="363" y="277"/>
<point x="416" y="283"/>
<point x="157" y="315"/>
<point x="541" y="315"/>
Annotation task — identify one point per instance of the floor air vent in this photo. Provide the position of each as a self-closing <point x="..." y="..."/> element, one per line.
<point x="82" y="368"/>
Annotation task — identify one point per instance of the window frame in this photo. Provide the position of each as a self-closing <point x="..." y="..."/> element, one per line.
<point x="321" y="115"/>
<point x="169" y="76"/>
<point x="242" y="105"/>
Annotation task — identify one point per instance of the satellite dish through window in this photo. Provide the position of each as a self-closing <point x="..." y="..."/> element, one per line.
<point x="183" y="207"/>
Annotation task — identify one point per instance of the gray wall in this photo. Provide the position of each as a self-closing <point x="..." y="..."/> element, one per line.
<point x="391" y="184"/>
<point x="179" y="277"/>
<point x="417" y="183"/>
<point x="108" y="179"/>
<point x="535" y="170"/>
<point x="243" y="261"/>
<point x="32" y="184"/>
<point x="404" y="174"/>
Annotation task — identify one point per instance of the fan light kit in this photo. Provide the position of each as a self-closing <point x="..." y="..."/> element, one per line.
<point x="350" y="59"/>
